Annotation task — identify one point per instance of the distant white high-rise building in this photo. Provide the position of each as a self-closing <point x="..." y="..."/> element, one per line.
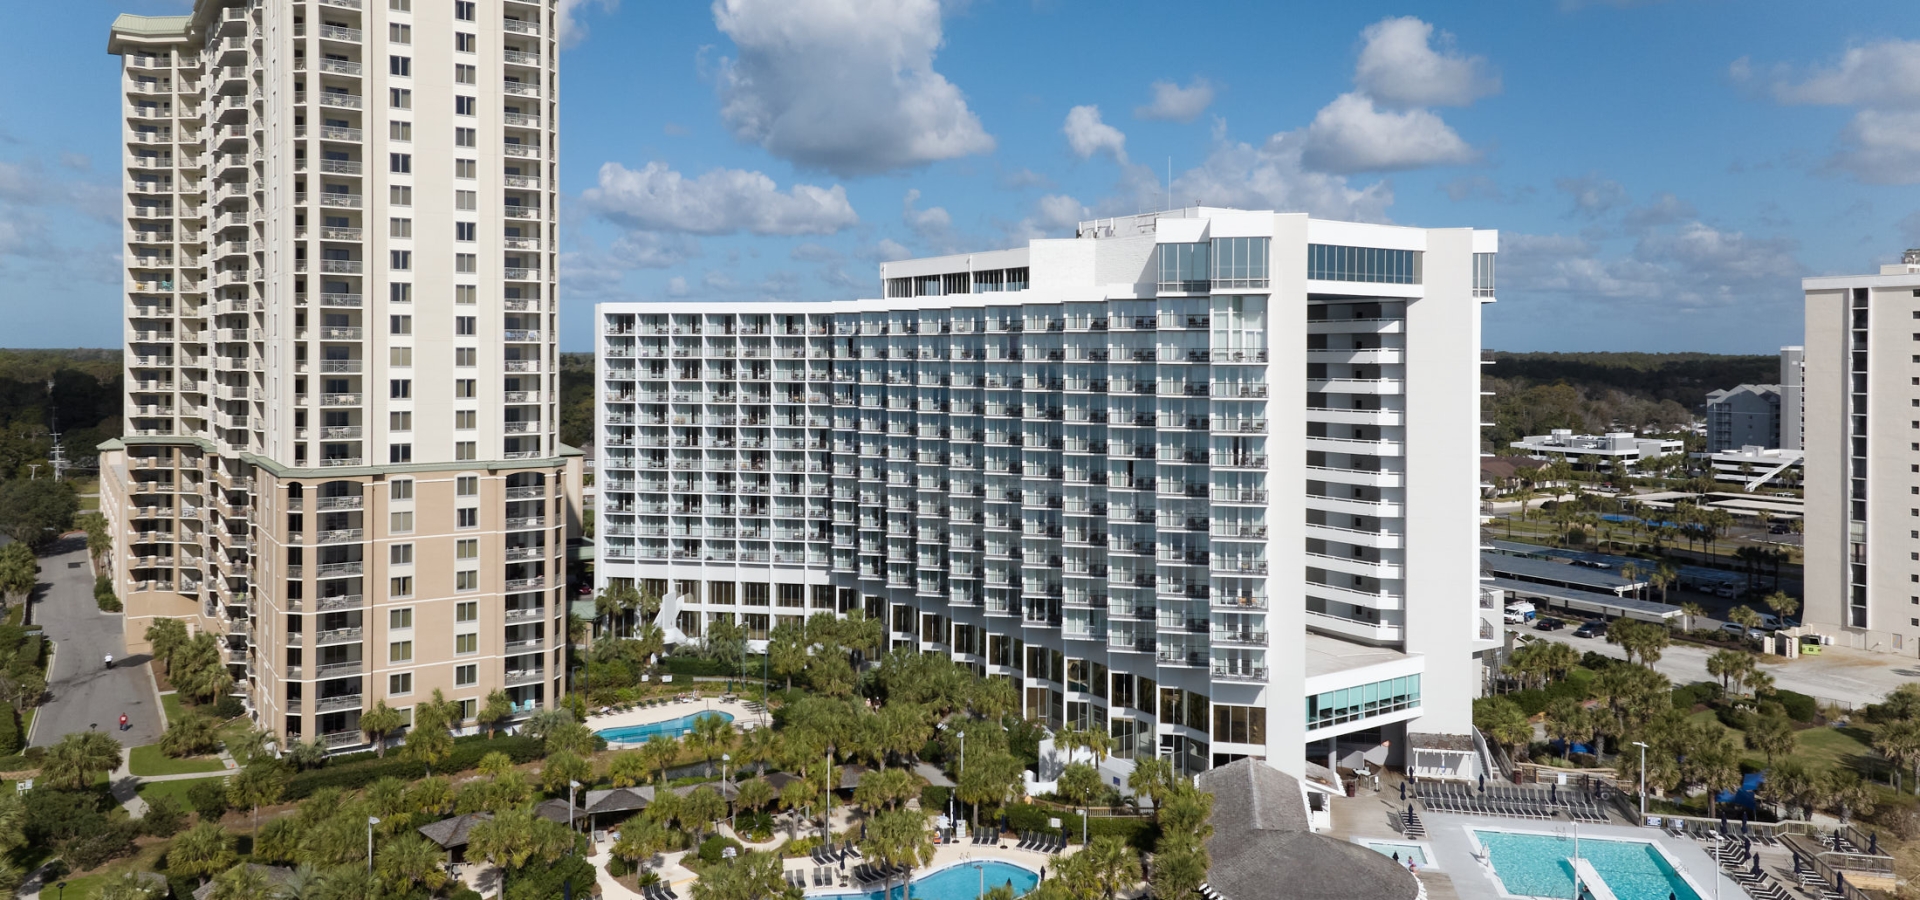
<point x="341" y="448"/>
<point x="1203" y="479"/>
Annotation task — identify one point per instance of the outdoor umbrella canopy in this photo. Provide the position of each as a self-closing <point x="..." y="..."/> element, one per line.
<point x="1873" y="843"/>
<point x="1553" y="792"/>
<point x="1756" y="864"/>
<point x="1483" y="782"/>
<point x="1403" y="790"/>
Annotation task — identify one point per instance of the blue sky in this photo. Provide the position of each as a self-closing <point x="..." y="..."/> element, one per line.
<point x="1662" y="173"/>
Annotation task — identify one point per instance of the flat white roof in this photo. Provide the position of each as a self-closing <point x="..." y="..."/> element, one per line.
<point x="1330" y="655"/>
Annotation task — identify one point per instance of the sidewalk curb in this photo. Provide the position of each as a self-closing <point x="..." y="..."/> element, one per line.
<point x="52" y="650"/>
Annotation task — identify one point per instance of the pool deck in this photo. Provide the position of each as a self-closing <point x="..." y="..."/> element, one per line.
<point x="1461" y="876"/>
<point x="743" y="717"/>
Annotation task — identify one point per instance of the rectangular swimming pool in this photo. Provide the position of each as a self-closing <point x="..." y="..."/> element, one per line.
<point x="962" y="881"/>
<point x="1541" y="865"/>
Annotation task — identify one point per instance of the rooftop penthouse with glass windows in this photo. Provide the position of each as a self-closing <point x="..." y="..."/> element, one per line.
<point x="1204" y="479"/>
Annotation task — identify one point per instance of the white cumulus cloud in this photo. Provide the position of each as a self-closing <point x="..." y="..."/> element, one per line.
<point x="1881" y="81"/>
<point x="722" y="201"/>
<point x="1273" y="176"/>
<point x="1352" y="135"/>
<point x="1173" y="103"/>
<point x="1087" y="135"/>
<point x="932" y="224"/>
<point x="572" y="30"/>
<point x="1399" y="67"/>
<point x="846" y="86"/>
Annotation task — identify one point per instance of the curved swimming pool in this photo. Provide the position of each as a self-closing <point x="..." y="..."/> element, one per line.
<point x="640" y="734"/>
<point x="961" y="881"/>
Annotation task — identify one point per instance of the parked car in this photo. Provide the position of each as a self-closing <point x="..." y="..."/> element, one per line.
<point x="1726" y="592"/>
<point x="1780" y="528"/>
<point x="1738" y="630"/>
<point x="1591" y="629"/>
<point x="1549" y="624"/>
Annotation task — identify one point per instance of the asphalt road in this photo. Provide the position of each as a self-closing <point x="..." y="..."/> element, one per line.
<point x="82" y="692"/>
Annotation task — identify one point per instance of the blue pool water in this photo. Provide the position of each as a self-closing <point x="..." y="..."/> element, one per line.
<point x="1414" y="852"/>
<point x="960" y="882"/>
<point x="1540" y="865"/>
<point x="640" y="734"/>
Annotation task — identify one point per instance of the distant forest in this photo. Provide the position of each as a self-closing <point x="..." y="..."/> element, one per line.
<point x="77" y="390"/>
<point x="1597" y="392"/>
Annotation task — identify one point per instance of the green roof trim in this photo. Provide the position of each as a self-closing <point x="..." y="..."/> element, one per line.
<point x="110" y="445"/>
<point x="566" y="450"/>
<point x="152" y="26"/>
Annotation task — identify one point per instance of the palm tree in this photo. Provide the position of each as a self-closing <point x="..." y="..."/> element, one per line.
<point x="1783" y="604"/>
<point x="190" y="735"/>
<point x="379" y="722"/>
<point x="899" y="838"/>
<point x="75" y="761"/>
<point x="1115" y="866"/>
<point x="409" y="859"/>
<point x="431" y="796"/>
<point x="1080" y="784"/>
<point x="429" y="741"/>
<point x="202" y="852"/>
<point x="1152" y="777"/>
<point x="515" y="838"/>
<point x="640" y="839"/>
<point x="245" y="881"/>
<point x="1567" y="720"/>
<point x="496" y="711"/>
<point x="712" y="734"/>
<point x="703" y="808"/>
<point x="1691" y="610"/>
<point x="1772" y="736"/>
<point x="262" y="783"/>
<point x="755" y="795"/>
<point x="886" y="789"/>
<point x="660" y="751"/>
<point x="137" y="885"/>
<point x="19" y="572"/>
<point x="1899" y="742"/>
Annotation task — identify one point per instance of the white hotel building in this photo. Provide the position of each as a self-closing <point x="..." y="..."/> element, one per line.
<point x="1205" y="479"/>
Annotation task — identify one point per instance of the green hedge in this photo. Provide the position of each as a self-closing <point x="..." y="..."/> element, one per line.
<point x="1137" y="831"/>
<point x="357" y="770"/>
<point x="10" y="739"/>
<point x="1800" y="707"/>
<point x="710" y="668"/>
<point x="933" y="798"/>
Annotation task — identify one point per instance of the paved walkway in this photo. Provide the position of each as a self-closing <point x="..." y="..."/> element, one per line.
<point x="83" y="693"/>
<point x="1838" y="674"/>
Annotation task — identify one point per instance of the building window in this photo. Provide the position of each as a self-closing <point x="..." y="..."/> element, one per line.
<point x="402" y="259"/>
<point x="400" y="131"/>
<point x="467" y="485"/>
<point x="400" y="98"/>
<point x="400" y="586"/>
<point x="1184" y="268"/>
<point x="401" y="521"/>
<point x="466" y="357"/>
<point x="399" y="324"/>
<point x="466" y="643"/>
<point x="468" y="707"/>
<point x="398" y="619"/>
<point x="401" y="291"/>
<point x="400" y="389"/>
<point x="466" y="294"/>
<point x="466" y="231"/>
<point x="466" y="611"/>
<point x="399" y="453"/>
<point x="400" y="195"/>
<point x="1240" y="262"/>
<point x="400" y="65"/>
<point x="465" y="137"/>
<point x="400" y="164"/>
<point x="400" y="420"/>
<point x="467" y="518"/>
<point x="1328" y="262"/>
<point x="400" y="489"/>
<point x="465" y="388"/>
<point x="465" y="263"/>
<point x="466" y="548"/>
<point x="400" y="651"/>
<point x="465" y="74"/>
<point x="466" y="581"/>
<point x="399" y="34"/>
<point x="1240" y="724"/>
<point x="464" y="106"/>
<point x="466" y="168"/>
<point x="1483" y="274"/>
<point x="400" y="683"/>
<point x="466" y="419"/>
<point x="400" y="554"/>
<point x="400" y="228"/>
<point x="466" y="325"/>
<point x="400" y="357"/>
<point x="466" y="676"/>
<point x="463" y="10"/>
<point x="1362" y="702"/>
<point x="466" y="200"/>
<point x="465" y="43"/>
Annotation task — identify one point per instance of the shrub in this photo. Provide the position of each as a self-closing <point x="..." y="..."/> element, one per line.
<point x="53" y="816"/>
<point x="209" y="798"/>
<point x="228" y="707"/>
<point x="546" y="882"/>
<point x="90" y="851"/>
<point x="1592" y="659"/>
<point x="1686" y="697"/>
<point x="460" y="892"/>
<point x="357" y="770"/>
<point x="1735" y="717"/>
<point x="103" y="594"/>
<point x="714" y="848"/>
<point x="933" y="798"/>
<point x="164" y="817"/>
<point x="619" y="868"/>
<point x="9" y="730"/>
<point x="694" y="665"/>
<point x="1799" y="707"/>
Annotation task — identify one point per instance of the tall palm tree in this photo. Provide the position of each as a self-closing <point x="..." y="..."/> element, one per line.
<point x="1899" y="742"/>
<point x="19" y="572"/>
<point x="262" y="783"/>
<point x="712" y="734"/>
<point x="409" y="859"/>
<point x="245" y="881"/>
<point x="379" y="722"/>
<point x="202" y="852"/>
<point x="1116" y="867"/>
<point x="75" y="761"/>
<point x="899" y="838"/>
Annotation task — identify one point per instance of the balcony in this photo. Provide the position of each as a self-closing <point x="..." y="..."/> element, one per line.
<point x="1227" y="671"/>
<point x="345" y="399"/>
<point x="525" y="676"/>
<point x="520" y="58"/>
<point x="340" y="536"/>
<point x="338" y="602"/>
<point x="526" y="523"/>
<point x="339" y="636"/>
<point x="337" y="704"/>
<point x="337" y="33"/>
<point x="340" y="570"/>
<point x="336" y="670"/>
<point x="1345" y="627"/>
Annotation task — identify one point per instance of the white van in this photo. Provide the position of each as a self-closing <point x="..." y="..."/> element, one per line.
<point x="1519" y="612"/>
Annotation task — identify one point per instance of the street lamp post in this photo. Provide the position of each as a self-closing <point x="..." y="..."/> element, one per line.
<point x="724" y="759"/>
<point x="962" y="771"/>
<point x="571" y="787"/>
<point x="1643" y="780"/>
<point x="371" y="821"/>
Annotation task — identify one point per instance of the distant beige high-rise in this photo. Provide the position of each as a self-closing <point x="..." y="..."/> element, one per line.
<point x="1862" y="443"/>
<point x="341" y="452"/>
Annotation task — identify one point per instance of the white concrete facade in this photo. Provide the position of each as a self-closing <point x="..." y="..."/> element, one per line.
<point x="1206" y="479"/>
<point x="1862" y="427"/>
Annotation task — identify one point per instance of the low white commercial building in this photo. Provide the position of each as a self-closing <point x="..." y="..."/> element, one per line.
<point x="1615" y="448"/>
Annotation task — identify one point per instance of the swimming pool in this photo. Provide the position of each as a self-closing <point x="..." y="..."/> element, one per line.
<point x="640" y="734"/>
<point x="1540" y="865"/>
<point x="957" y="882"/>
<point x="1401" y="852"/>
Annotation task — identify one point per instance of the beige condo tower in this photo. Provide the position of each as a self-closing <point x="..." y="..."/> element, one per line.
<point x="341" y="451"/>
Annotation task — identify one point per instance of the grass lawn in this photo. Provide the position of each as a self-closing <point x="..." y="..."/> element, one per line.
<point x="174" y="708"/>
<point x="147" y="860"/>
<point x="149" y="760"/>
<point x="1821" y="748"/>
<point x="175" y="789"/>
